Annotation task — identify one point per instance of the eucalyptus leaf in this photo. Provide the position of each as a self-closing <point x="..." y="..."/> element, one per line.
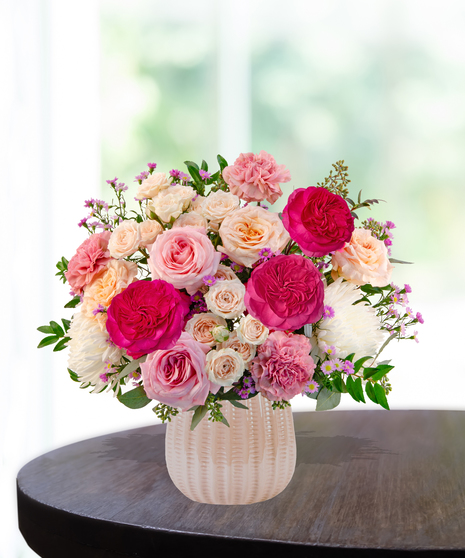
<point x="327" y="400"/>
<point x="224" y="421"/>
<point x="134" y="399"/>
<point x="393" y="260"/>
<point x="133" y="365"/>
<point x="199" y="413"/>
<point x="237" y="404"/>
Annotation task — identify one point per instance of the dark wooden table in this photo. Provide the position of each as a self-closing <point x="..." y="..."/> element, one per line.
<point x="367" y="483"/>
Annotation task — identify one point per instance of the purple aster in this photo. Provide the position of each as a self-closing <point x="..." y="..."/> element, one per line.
<point x="224" y="257"/>
<point x="395" y="287"/>
<point x="336" y="364"/>
<point x="104" y="378"/>
<point x="265" y="253"/>
<point x="415" y="334"/>
<point x="82" y="222"/>
<point x="263" y="206"/>
<point x="184" y="176"/>
<point x="402" y="330"/>
<point x="348" y="367"/>
<point x="152" y="166"/>
<point x="390" y="225"/>
<point x="420" y="318"/>
<point x="175" y="173"/>
<point x="112" y="181"/>
<point x="311" y="387"/>
<point x="121" y="187"/>
<point x="89" y="203"/>
<point x="408" y="288"/>
<point x="99" y="309"/>
<point x="204" y="174"/>
<point x="388" y="242"/>
<point x="395" y="298"/>
<point x="328" y="312"/>
<point x="135" y="375"/>
<point x="237" y="268"/>
<point x="209" y="280"/>
<point x="327" y="367"/>
<point x="409" y="312"/>
<point x="196" y="297"/>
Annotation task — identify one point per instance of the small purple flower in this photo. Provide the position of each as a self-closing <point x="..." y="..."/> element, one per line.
<point x="135" y="375"/>
<point x="89" y="203"/>
<point x="408" y="288"/>
<point x="99" y="309"/>
<point x="237" y="268"/>
<point x="152" y="166"/>
<point x="112" y="181"/>
<point x="390" y="225"/>
<point x="327" y="367"/>
<point x="328" y="312"/>
<point x="142" y="176"/>
<point x="388" y="242"/>
<point x="395" y="299"/>
<point x="175" y="173"/>
<point x="337" y="364"/>
<point x="348" y="367"/>
<point x="223" y="257"/>
<point x="420" y="318"/>
<point x="184" y="176"/>
<point x="196" y="297"/>
<point x="311" y="387"/>
<point x="104" y="378"/>
<point x="265" y="253"/>
<point x="415" y="336"/>
<point x="82" y="222"/>
<point x="204" y="175"/>
<point x="402" y="330"/>
<point x="209" y="280"/>
<point x="121" y="187"/>
<point x="409" y="312"/>
<point x="329" y="350"/>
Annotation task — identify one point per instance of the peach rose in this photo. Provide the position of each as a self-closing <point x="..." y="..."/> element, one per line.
<point x="166" y="206"/>
<point x="192" y="219"/>
<point x="196" y="204"/>
<point x="246" y="231"/>
<point x="252" y="331"/>
<point x="153" y="185"/>
<point x="149" y="230"/>
<point x="200" y="327"/>
<point x="246" y="350"/>
<point x="223" y="272"/>
<point x="111" y="281"/>
<point x="217" y="205"/>
<point x="124" y="240"/>
<point x="363" y="260"/>
<point x="226" y="298"/>
<point x="224" y="367"/>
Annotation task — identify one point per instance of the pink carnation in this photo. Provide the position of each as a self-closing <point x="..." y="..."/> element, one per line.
<point x="256" y="177"/>
<point x="90" y="258"/>
<point x="146" y="316"/>
<point x="285" y="292"/>
<point x="177" y="376"/>
<point x="283" y="366"/>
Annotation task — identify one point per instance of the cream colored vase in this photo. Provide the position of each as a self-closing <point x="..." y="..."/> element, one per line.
<point x="251" y="461"/>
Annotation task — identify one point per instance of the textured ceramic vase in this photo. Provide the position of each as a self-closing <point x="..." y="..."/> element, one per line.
<point x="251" y="461"/>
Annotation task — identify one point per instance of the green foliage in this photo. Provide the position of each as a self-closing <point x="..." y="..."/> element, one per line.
<point x="222" y="162"/>
<point x="73" y="302"/>
<point x="134" y="399"/>
<point x="62" y="267"/>
<point x="327" y="400"/>
<point x="165" y="412"/>
<point x="380" y="394"/>
<point x="280" y="404"/>
<point x="354" y="387"/>
<point x="57" y="336"/>
<point x="337" y="183"/>
<point x="73" y="375"/>
<point x="237" y="404"/>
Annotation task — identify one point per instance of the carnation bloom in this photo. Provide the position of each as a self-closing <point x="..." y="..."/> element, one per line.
<point x="285" y="292"/>
<point x="146" y="316"/>
<point x="183" y="257"/>
<point x="354" y="329"/>
<point x="177" y="376"/>
<point x="256" y="177"/>
<point x="318" y="220"/>
<point x="363" y="260"/>
<point x="90" y="351"/>
<point x="283" y="366"/>
<point x="90" y="258"/>
<point x="245" y="232"/>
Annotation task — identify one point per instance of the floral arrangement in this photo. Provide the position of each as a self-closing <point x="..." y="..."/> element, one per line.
<point x="203" y="295"/>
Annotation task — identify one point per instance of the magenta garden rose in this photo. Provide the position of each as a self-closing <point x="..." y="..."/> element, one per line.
<point x="146" y="316"/>
<point x="285" y="293"/>
<point x="283" y="366"/>
<point x="177" y="376"/>
<point x="255" y="178"/>
<point x="318" y="220"/>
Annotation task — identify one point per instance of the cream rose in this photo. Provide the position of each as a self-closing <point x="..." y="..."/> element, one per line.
<point x="184" y="193"/>
<point x="226" y="298"/>
<point x="246" y="350"/>
<point x="192" y="219"/>
<point x="246" y="231"/>
<point x="363" y="260"/>
<point x="153" y="185"/>
<point x="217" y="205"/>
<point x="252" y="331"/>
<point x="111" y="281"/>
<point x="166" y="205"/>
<point x="224" y="367"/>
<point x="220" y="334"/>
<point x="149" y="230"/>
<point x="196" y="204"/>
<point x="200" y="327"/>
<point x="224" y="272"/>
<point x="124" y="240"/>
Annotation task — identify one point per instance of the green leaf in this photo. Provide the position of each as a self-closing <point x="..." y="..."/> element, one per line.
<point x="204" y="165"/>
<point x="131" y="367"/>
<point x="48" y="341"/>
<point x="381" y="396"/>
<point x="230" y="395"/>
<point x="61" y="344"/>
<point x="224" y="421"/>
<point x="368" y="372"/>
<point x="359" y="362"/>
<point x="327" y="400"/>
<point x="370" y="392"/>
<point x="350" y="357"/>
<point x="191" y="164"/>
<point x="57" y="329"/>
<point x="45" y="329"/>
<point x="312" y="395"/>
<point x="222" y="162"/>
<point x="359" y="389"/>
<point x="73" y="303"/>
<point x="134" y="399"/>
<point x="339" y="385"/>
<point x="383" y="369"/>
<point x="199" y="413"/>
<point x="237" y="404"/>
<point x="195" y="175"/>
<point x="215" y="176"/>
<point x="66" y="324"/>
<point x="73" y="375"/>
<point x="351" y="388"/>
<point x="393" y="260"/>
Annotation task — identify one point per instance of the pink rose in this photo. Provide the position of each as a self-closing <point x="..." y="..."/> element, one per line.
<point x="177" y="376"/>
<point x="285" y="292"/>
<point x="256" y="177"/>
<point x="283" y="366"/>
<point x="319" y="221"/>
<point x="91" y="257"/>
<point x="183" y="256"/>
<point x="146" y="316"/>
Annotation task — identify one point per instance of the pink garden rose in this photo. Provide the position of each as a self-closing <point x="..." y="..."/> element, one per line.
<point x="256" y="177"/>
<point x="177" y="376"/>
<point x="183" y="256"/>
<point x="90" y="258"/>
<point x="146" y="316"/>
<point x="285" y="292"/>
<point x="319" y="221"/>
<point x="283" y="366"/>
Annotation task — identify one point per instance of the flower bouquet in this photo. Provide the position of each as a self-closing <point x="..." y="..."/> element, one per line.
<point x="204" y="301"/>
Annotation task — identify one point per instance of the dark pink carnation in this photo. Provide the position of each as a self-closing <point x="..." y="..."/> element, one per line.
<point x="285" y="293"/>
<point x="146" y="316"/>
<point x="91" y="256"/>
<point x="319" y="221"/>
<point x="283" y="366"/>
<point x="256" y="177"/>
<point x="177" y="376"/>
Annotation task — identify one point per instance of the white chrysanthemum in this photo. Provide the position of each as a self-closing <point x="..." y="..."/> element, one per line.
<point x="353" y="329"/>
<point x="90" y="353"/>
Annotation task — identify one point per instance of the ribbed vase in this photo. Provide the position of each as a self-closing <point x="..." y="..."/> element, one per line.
<point x="251" y="461"/>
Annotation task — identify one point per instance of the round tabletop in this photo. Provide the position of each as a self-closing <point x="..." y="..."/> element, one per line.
<point x="367" y="483"/>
